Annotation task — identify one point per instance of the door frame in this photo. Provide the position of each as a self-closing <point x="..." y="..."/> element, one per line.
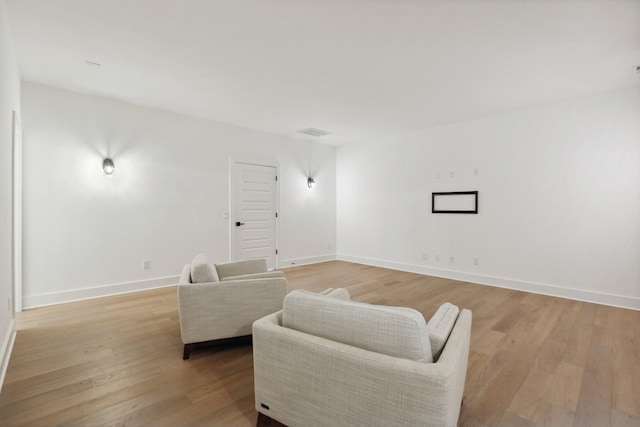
<point x="229" y="215"/>
<point x="16" y="214"/>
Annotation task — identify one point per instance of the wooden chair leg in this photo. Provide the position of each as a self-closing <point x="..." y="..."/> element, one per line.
<point x="188" y="348"/>
<point x="263" y="420"/>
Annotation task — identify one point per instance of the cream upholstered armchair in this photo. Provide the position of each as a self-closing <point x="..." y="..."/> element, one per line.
<point x="327" y="361"/>
<point x="218" y="303"/>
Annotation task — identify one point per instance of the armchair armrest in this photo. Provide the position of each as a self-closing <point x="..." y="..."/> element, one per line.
<point x="185" y="276"/>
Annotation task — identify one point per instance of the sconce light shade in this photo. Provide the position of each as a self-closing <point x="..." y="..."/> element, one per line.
<point x="108" y="166"/>
<point x="311" y="182"/>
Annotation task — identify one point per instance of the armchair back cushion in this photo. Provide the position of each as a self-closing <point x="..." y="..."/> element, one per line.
<point x="394" y="331"/>
<point x="241" y="268"/>
<point x="202" y="270"/>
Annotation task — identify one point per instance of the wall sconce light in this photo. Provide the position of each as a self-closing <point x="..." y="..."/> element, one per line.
<point x="108" y="166"/>
<point x="311" y="182"/>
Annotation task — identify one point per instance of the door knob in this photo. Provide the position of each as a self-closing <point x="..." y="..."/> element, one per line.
<point x="238" y="224"/>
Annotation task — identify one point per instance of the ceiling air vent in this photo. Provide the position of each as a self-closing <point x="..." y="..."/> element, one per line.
<point x="314" y="132"/>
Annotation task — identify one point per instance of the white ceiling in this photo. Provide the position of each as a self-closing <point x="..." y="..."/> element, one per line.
<point x="356" y="68"/>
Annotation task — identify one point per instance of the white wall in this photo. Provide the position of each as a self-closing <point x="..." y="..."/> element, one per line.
<point x="9" y="102"/>
<point x="559" y="198"/>
<point x="165" y="202"/>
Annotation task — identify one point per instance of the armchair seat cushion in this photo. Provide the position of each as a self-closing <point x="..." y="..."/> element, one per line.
<point x="394" y="331"/>
<point x="339" y="293"/>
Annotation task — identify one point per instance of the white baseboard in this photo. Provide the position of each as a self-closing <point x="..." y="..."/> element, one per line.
<point x="5" y="350"/>
<point x="501" y="282"/>
<point x="294" y="262"/>
<point x="41" y="300"/>
<point x="32" y="301"/>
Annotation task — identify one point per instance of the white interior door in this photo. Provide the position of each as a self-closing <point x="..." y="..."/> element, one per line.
<point x="254" y="215"/>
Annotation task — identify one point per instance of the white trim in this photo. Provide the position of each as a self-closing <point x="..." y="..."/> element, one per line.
<point x="256" y="161"/>
<point x="16" y="214"/>
<point x="5" y="351"/>
<point x="502" y="282"/>
<point x="295" y="262"/>
<point x="41" y="300"/>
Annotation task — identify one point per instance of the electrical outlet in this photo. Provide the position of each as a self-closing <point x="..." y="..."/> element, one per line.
<point x="329" y="245"/>
<point x="476" y="261"/>
<point x="425" y="256"/>
<point x="146" y="264"/>
<point x="437" y="258"/>
<point x="452" y="259"/>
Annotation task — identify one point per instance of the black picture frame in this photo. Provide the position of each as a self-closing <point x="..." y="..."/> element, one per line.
<point x="453" y="194"/>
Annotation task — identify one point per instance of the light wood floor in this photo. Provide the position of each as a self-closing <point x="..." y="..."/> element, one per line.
<point x="534" y="360"/>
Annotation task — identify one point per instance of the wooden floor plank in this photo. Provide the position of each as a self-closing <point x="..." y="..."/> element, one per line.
<point x="565" y="387"/>
<point x="534" y="360"/>
<point x="527" y="403"/>
<point x="556" y="416"/>
<point x="594" y="402"/>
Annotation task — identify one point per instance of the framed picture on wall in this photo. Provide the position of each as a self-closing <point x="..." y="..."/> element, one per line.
<point x="456" y="202"/>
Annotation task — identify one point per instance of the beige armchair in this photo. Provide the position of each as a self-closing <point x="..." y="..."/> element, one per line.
<point x="218" y="303"/>
<point x="327" y="361"/>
